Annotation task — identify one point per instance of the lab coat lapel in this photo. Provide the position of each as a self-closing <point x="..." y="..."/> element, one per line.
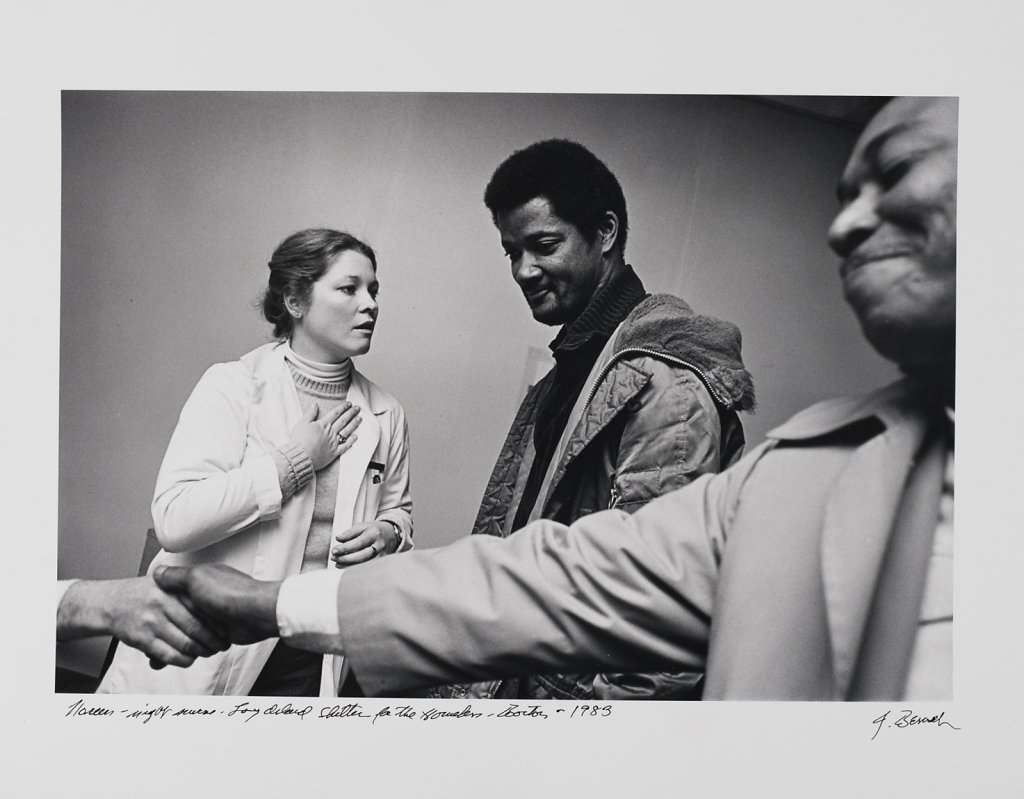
<point x="352" y="468"/>
<point x="275" y="402"/>
<point x="856" y="527"/>
<point x="354" y="463"/>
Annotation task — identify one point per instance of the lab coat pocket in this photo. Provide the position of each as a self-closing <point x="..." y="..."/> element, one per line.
<point x="374" y="483"/>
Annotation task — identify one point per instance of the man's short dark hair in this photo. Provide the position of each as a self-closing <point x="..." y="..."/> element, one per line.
<point x="577" y="184"/>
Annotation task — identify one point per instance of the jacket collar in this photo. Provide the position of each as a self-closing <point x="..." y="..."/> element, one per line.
<point x="863" y="503"/>
<point x="889" y="405"/>
<point x="606" y="309"/>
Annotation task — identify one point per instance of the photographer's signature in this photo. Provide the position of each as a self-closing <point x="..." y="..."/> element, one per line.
<point x="907" y="718"/>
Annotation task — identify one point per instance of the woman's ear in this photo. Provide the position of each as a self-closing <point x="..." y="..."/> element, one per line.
<point x="295" y="307"/>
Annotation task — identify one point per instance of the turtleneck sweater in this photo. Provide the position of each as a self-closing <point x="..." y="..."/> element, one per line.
<point x="319" y="372"/>
<point x="326" y="386"/>
<point x="289" y="671"/>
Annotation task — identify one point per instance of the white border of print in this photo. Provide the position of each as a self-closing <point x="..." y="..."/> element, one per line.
<point x="788" y="47"/>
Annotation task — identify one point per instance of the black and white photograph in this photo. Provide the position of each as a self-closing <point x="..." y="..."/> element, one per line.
<point x="443" y="240"/>
<point x="452" y="426"/>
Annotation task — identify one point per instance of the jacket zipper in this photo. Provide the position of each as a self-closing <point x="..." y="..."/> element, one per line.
<point x="661" y="356"/>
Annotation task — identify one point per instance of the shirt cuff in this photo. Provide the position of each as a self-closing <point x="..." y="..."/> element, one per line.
<point x="307" y="611"/>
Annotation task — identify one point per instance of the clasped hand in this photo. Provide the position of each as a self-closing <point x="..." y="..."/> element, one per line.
<point x="243" y="609"/>
<point x="163" y="626"/>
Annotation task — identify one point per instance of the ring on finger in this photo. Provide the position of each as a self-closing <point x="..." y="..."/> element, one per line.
<point x="342" y="438"/>
<point x="373" y="548"/>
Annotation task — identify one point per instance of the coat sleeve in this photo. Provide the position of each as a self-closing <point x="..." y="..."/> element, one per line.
<point x="205" y="492"/>
<point x="396" y="499"/>
<point x="612" y="592"/>
<point x="671" y="435"/>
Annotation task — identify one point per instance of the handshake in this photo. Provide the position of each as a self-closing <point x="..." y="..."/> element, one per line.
<point x="237" y="608"/>
<point x="175" y="615"/>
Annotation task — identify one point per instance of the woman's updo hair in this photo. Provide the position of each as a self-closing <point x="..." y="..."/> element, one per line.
<point x="297" y="263"/>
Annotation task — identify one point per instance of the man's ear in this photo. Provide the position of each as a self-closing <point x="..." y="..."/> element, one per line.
<point x="294" y="306"/>
<point x="608" y="231"/>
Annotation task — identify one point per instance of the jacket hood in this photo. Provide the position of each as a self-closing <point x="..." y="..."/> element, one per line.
<point x="666" y="324"/>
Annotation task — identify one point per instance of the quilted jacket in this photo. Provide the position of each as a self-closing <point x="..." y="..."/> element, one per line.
<point x="662" y="411"/>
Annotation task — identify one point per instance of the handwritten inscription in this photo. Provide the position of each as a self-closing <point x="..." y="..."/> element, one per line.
<point x="79" y="708"/>
<point x="516" y="711"/>
<point x="903" y="719"/>
<point x="195" y="711"/>
<point x="147" y="714"/>
<point x="402" y="712"/>
<point x="465" y="713"/>
<point x="288" y="710"/>
<point x="343" y="712"/>
<point x="246" y="711"/>
<point x="249" y="712"/>
<point x="591" y="710"/>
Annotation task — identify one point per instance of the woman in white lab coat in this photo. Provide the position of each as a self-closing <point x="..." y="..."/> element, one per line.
<point x="283" y="461"/>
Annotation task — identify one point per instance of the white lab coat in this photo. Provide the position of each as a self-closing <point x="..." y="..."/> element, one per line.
<point x="218" y="500"/>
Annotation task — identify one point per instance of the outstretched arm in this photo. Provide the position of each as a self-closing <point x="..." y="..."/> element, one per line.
<point x="616" y="591"/>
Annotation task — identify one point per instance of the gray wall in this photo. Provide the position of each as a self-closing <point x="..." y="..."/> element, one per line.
<point x="173" y="202"/>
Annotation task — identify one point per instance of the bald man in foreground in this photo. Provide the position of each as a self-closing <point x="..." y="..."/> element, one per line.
<point x="819" y="567"/>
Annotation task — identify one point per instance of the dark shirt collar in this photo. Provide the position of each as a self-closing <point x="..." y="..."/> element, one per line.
<point x="606" y="309"/>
